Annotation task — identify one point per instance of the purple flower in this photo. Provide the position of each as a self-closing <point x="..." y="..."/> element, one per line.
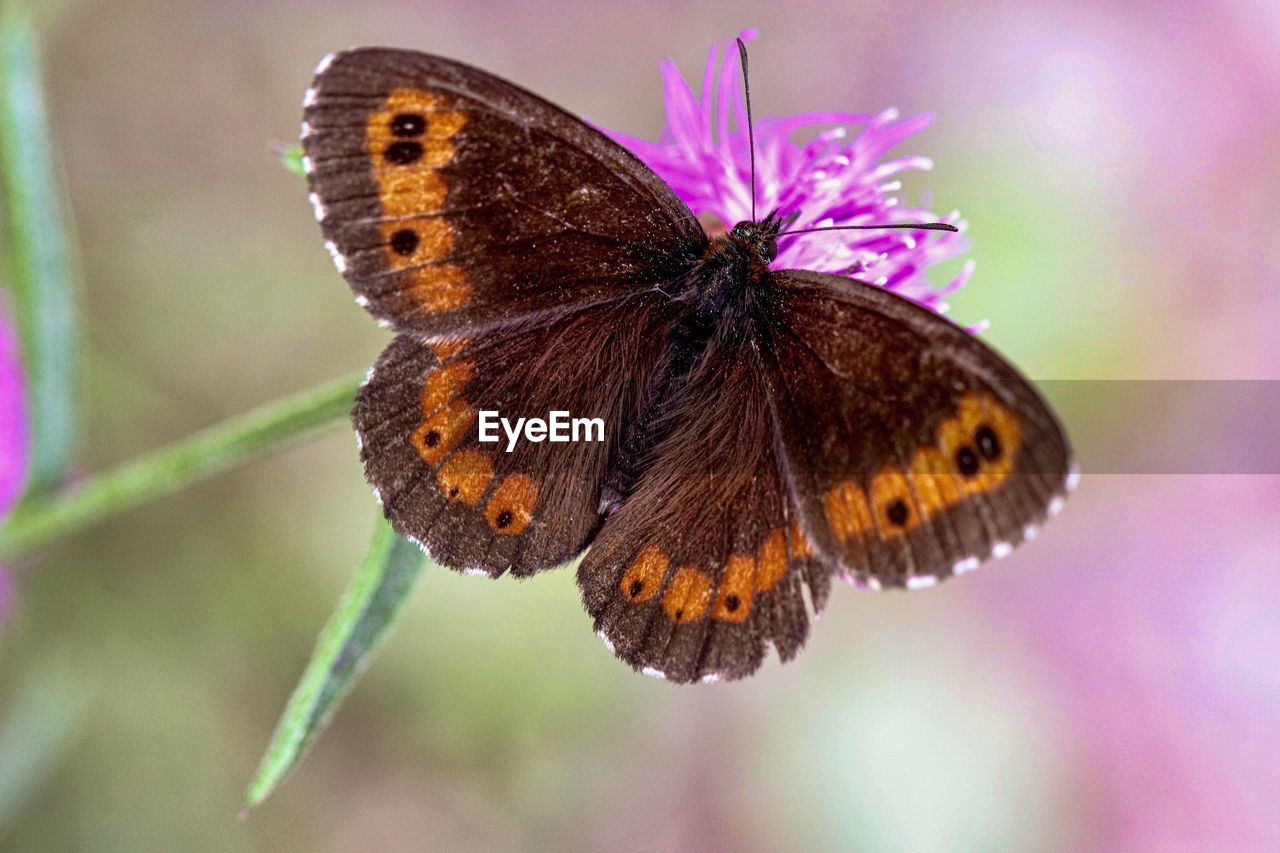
<point x="13" y="418"/>
<point x="830" y="180"/>
<point x="14" y="443"/>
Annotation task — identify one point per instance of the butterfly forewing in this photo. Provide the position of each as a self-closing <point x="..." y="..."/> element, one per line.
<point x="454" y="201"/>
<point x="916" y="451"/>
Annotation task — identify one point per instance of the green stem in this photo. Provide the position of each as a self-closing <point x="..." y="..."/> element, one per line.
<point x="39" y="256"/>
<point x="171" y="468"/>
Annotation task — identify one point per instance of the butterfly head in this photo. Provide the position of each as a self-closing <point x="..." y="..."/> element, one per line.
<point x="757" y="240"/>
<point x="754" y="241"/>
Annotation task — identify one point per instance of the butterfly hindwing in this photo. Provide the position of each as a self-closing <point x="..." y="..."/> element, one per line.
<point x="915" y="450"/>
<point x="454" y="201"/>
<point x="702" y="567"/>
<point x="475" y="505"/>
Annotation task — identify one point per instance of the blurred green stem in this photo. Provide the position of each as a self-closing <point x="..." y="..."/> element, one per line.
<point x="172" y="468"/>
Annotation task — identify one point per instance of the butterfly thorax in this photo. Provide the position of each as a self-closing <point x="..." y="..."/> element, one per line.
<point x="749" y="246"/>
<point x="734" y="264"/>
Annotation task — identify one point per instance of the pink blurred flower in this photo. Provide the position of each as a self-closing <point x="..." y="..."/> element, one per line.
<point x="1167" y="660"/>
<point x="828" y="180"/>
<point x="14" y="441"/>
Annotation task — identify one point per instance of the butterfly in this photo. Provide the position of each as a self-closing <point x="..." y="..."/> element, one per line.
<point x="765" y="430"/>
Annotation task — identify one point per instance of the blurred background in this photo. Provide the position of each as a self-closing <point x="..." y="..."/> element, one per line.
<point x="1115" y="685"/>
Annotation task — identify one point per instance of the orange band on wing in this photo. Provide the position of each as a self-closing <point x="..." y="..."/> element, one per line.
<point x="847" y="512"/>
<point x="733" y="596"/>
<point x="439" y="288"/>
<point x="511" y="507"/>
<point x="408" y="141"/>
<point x="465" y="475"/>
<point x="443" y="385"/>
<point x="641" y="580"/>
<point x="896" y="512"/>
<point x="442" y="431"/>
<point x="687" y="596"/>
<point x="772" y="561"/>
<point x="973" y="454"/>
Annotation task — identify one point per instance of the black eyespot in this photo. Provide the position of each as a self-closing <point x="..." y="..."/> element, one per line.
<point x="504" y="519"/>
<point x="636" y="588"/>
<point x="967" y="461"/>
<point x="405" y="242"/>
<point x="897" y="512"/>
<point x="431" y="439"/>
<point x="453" y="492"/>
<point x="408" y="124"/>
<point x="403" y="153"/>
<point x="988" y="442"/>
<point x="679" y="613"/>
<point x="731" y="602"/>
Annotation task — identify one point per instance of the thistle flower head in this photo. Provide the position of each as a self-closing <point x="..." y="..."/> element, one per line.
<point x="834" y="178"/>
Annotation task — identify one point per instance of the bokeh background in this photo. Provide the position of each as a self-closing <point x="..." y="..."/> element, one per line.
<point x="1115" y="685"/>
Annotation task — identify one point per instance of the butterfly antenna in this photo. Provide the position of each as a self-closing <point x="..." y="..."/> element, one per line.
<point x="923" y="226"/>
<point x="751" y="134"/>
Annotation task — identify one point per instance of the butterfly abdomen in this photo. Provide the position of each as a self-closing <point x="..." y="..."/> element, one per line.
<point x="712" y="303"/>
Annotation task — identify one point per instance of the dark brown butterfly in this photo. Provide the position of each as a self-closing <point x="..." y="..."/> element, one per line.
<point x="764" y="430"/>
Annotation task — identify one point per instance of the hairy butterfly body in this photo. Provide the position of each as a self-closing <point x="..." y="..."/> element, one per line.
<point x="765" y="430"/>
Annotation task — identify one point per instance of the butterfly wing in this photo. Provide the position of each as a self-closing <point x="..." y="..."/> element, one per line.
<point x="914" y="449"/>
<point x="703" y="566"/>
<point x="467" y="212"/>
<point x="454" y="201"/>
<point x="821" y="439"/>
<point x="477" y="505"/>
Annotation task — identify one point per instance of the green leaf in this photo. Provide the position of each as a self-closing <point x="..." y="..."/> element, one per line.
<point x="40" y="262"/>
<point x="169" y="469"/>
<point x="365" y="614"/>
<point x="291" y="158"/>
